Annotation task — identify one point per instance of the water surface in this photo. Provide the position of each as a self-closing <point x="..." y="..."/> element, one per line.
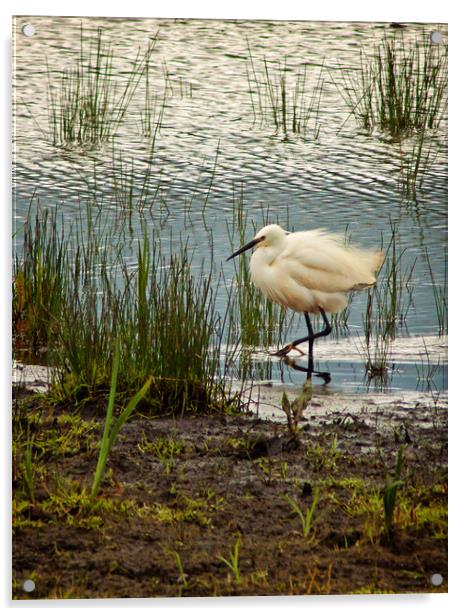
<point x="210" y="150"/>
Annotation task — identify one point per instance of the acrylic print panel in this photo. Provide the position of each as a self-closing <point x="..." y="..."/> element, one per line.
<point x="161" y="447"/>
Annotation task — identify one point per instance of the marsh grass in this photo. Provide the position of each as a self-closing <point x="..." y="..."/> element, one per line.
<point x="294" y="410"/>
<point x="38" y="284"/>
<point x="176" y="85"/>
<point x="390" y="494"/>
<point x="182" y="577"/>
<point x="29" y="466"/>
<point x="232" y="561"/>
<point x="134" y="191"/>
<point x="89" y="103"/>
<point x="402" y="87"/>
<point x="388" y="303"/>
<point x="166" y="322"/>
<point x="415" y="160"/>
<point x="428" y="371"/>
<point x="306" y="517"/>
<point x="161" y="315"/>
<point x="282" y="99"/>
<point x="166" y="450"/>
<point x="154" y="105"/>
<point x="112" y="427"/>
<point x="440" y="294"/>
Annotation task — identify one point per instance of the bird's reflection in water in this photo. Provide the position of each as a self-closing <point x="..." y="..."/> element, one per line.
<point x="309" y="369"/>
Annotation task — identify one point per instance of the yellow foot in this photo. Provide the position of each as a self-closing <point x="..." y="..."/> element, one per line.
<point x="283" y="352"/>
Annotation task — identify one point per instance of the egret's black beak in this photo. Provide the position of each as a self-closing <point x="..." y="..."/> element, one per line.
<point x="246" y="247"/>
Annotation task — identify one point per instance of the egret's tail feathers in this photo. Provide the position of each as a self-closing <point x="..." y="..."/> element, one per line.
<point x="379" y="260"/>
<point x="366" y="268"/>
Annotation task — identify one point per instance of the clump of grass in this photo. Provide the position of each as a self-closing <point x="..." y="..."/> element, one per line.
<point x="388" y="303"/>
<point x="182" y="577"/>
<point x="306" y="518"/>
<point x="232" y="561"/>
<point x="377" y="345"/>
<point x="402" y="88"/>
<point x="323" y="459"/>
<point x="90" y="104"/>
<point x="415" y="161"/>
<point x="270" y="470"/>
<point x="439" y="295"/>
<point x="294" y="410"/>
<point x="428" y="371"/>
<point x="112" y="428"/>
<point x="38" y="285"/>
<point x="132" y="192"/>
<point x="162" y="316"/>
<point x="29" y="470"/>
<point x="163" y="449"/>
<point x="390" y="495"/>
<point x="274" y="99"/>
<point x="165" y="320"/>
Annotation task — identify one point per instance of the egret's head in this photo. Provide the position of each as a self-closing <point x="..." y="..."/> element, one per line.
<point x="271" y="235"/>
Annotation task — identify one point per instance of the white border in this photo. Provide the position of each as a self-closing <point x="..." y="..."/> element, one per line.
<point x="393" y="10"/>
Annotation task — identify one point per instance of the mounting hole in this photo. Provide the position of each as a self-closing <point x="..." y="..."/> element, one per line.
<point x="436" y="37"/>
<point x="28" y="30"/>
<point x="29" y="585"/>
<point x="436" y="579"/>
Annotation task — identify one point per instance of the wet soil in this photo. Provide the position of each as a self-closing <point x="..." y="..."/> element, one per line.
<point x="209" y="505"/>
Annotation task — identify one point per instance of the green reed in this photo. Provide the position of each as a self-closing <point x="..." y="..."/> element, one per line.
<point x="282" y="100"/>
<point x="161" y="315"/>
<point x="176" y="86"/>
<point x="388" y="303"/>
<point x="113" y="426"/>
<point x="154" y="104"/>
<point x="440" y="295"/>
<point x="414" y="163"/>
<point x="38" y="279"/>
<point x="429" y="370"/>
<point x="28" y="466"/>
<point x="390" y="494"/>
<point x="89" y="103"/>
<point x="232" y="561"/>
<point x="132" y="191"/>
<point x="307" y="516"/>
<point x="401" y="88"/>
<point x="165" y="321"/>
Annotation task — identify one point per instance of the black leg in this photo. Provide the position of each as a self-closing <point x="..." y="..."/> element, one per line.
<point x="328" y="329"/>
<point x="310" y="338"/>
<point x="283" y="352"/>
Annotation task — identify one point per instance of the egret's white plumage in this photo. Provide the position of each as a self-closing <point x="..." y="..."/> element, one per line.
<point x="309" y="270"/>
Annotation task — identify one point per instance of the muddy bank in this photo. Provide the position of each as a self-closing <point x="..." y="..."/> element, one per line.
<point x="217" y="505"/>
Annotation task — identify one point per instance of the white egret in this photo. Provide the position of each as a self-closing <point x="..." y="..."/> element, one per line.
<point x="309" y="272"/>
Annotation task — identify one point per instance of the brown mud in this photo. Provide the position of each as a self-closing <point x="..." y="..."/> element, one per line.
<point x="210" y="505"/>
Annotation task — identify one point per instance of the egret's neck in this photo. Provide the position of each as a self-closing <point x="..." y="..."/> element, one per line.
<point x="266" y="255"/>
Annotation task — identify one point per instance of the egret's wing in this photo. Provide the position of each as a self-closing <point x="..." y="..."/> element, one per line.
<point x="320" y="261"/>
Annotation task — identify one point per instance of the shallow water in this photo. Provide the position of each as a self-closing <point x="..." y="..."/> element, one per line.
<point x="210" y="146"/>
